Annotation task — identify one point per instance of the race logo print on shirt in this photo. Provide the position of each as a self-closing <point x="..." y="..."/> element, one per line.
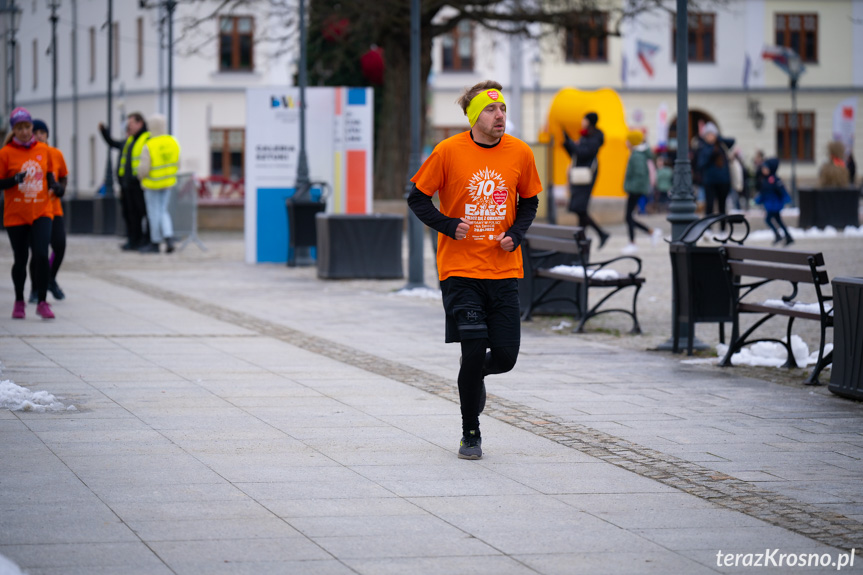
<point x="487" y="209"/>
<point x="32" y="184"/>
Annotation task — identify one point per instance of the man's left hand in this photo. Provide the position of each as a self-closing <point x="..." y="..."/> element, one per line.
<point x="506" y="242"/>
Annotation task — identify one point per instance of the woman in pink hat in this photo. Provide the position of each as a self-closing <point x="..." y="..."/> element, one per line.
<point x="25" y="177"/>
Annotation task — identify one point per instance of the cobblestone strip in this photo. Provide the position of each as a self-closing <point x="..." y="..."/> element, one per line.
<point x="825" y="527"/>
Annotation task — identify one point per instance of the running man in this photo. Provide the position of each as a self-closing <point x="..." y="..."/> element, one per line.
<point x="487" y="184"/>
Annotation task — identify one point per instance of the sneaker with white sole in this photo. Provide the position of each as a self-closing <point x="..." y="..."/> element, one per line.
<point x="470" y="446"/>
<point x="655" y="237"/>
<point x="629" y="249"/>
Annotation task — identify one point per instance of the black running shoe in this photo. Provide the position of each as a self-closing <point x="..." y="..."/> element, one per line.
<point x="470" y="446"/>
<point x="56" y="291"/>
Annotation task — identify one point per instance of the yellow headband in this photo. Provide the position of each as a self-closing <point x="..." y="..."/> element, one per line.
<point x="480" y="101"/>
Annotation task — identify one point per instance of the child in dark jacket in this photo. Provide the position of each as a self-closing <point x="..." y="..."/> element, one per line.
<point x="773" y="196"/>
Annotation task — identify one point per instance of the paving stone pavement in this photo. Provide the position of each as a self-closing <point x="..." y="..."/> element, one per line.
<point x="236" y="418"/>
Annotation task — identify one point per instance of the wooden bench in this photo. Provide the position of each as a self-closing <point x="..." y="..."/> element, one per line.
<point x="750" y="269"/>
<point x="544" y="242"/>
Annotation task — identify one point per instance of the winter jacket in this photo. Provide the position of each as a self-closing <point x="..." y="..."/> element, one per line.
<point x="773" y="195"/>
<point x="712" y="162"/>
<point x="584" y="152"/>
<point x="637" y="178"/>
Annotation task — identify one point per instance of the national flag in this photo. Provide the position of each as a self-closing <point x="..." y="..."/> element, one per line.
<point x="785" y="58"/>
<point x="645" y="53"/>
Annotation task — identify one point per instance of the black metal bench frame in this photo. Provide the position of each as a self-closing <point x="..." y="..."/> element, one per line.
<point x="544" y="241"/>
<point x="748" y="269"/>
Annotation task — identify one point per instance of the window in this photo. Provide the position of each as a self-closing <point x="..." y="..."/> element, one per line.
<point x="35" y="63"/>
<point x="458" y="48"/>
<point x="235" y="43"/>
<point x="702" y="35"/>
<point x="587" y="40"/>
<point x="115" y="39"/>
<point x="800" y="134"/>
<point x="227" y="152"/>
<point x="140" y="69"/>
<point x="92" y="54"/>
<point x="800" y="33"/>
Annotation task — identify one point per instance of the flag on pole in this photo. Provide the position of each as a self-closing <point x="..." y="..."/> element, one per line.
<point x="646" y="51"/>
<point x="784" y="57"/>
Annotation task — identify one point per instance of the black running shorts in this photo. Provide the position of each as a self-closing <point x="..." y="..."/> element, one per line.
<point x="482" y="308"/>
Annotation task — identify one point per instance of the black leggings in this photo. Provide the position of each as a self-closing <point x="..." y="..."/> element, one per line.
<point x="477" y="361"/>
<point x="58" y="249"/>
<point x="631" y="223"/>
<point x="34" y="237"/>
<point x="585" y="221"/>
<point x="717" y="193"/>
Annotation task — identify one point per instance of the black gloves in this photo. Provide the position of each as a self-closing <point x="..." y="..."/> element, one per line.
<point x="19" y="177"/>
<point x="55" y="186"/>
<point x="58" y="189"/>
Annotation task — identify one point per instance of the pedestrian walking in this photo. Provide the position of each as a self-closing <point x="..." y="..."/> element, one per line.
<point x="637" y="183"/>
<point x="487" y="184"/>
<point x="834" y="172"/>
<point x="131" y="194"/>
<point x="26" y="177"/>
<point x="58" y="225"/>
<point x="773" y="196"/>
<point x="712" y="161"/>
<point x="584" y="155"/>
<point x="160" y="161"/>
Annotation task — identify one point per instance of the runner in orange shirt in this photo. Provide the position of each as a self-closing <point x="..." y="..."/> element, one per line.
<point x="487" y="184"/>
<point x="25" y="177"/>
<point x="58" y="226"/>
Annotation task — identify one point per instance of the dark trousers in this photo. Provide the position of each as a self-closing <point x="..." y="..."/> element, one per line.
<point x="775" y="217"/>
<point x="33" y="238"/>
<point x="715" y="193"/>
<point x="58" y="250"/>
<point x="631" y="223"/>
<point x="134" y="213"/>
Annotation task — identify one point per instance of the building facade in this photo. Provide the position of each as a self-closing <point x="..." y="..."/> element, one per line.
<point x="730" y="83"/>
<point x="214" y="63"/>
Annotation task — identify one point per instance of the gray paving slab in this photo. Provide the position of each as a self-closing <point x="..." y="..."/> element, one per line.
<point x="273" y="422"/>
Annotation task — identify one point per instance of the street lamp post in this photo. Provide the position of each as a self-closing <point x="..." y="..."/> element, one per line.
<point x="109" y="176"/>
<point x="415" y="226"/>
<point x="170" y="5"/>
<point x="54" y="5"/>
<point x="14" y="20"/>
<point x="681" y="205"/>
<point x="303" y="183"/>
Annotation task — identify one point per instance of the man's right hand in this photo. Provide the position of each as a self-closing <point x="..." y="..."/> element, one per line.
<point x="462" y="230"/>
<point x="20" y="177"/>
<point x="101" y="127"/>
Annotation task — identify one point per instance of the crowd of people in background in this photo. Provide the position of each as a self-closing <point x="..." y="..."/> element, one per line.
<point x="33" y="178"/>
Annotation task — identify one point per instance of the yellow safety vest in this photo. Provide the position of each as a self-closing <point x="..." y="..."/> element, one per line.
<point x="164" y="162"/>
<point x="136" y="153"/>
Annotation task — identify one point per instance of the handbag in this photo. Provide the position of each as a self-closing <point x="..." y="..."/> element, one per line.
<point x="582" y="175"/>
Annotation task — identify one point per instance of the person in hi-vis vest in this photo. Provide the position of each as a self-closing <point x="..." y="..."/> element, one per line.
<point x="157" y="170"/>
<point x="131" y="194"/>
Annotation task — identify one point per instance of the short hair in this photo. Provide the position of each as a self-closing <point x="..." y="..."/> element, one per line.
<point x="139" y="117"/>
<point x="470" y="93"/>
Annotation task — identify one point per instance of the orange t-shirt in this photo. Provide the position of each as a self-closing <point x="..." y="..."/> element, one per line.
<point x="27" y="201"/>
<point x="481" y="185"/>
<point x="60" y="171"/>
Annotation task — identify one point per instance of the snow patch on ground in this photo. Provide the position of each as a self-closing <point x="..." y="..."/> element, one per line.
<point x="422" y="293"/>
<point x="766" y="354"/>
<point x="16" y="398"/>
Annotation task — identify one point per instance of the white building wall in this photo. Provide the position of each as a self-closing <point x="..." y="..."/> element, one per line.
<point x="204" y="97"/>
